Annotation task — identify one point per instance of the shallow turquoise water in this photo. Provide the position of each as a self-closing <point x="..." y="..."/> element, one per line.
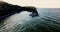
<point x="48" y="21"/>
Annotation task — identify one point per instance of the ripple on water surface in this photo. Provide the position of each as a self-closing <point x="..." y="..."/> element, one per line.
<point x="48" y="21"/>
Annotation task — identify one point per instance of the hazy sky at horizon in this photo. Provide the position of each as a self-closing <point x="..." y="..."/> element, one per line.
<point x="36" y="3"/>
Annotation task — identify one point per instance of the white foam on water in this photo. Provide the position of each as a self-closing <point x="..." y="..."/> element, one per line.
<point x="47" y="18"/>
<point x="16" y="19"/>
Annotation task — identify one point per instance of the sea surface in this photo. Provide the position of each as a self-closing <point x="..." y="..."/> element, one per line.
<point x="47" y="21"/>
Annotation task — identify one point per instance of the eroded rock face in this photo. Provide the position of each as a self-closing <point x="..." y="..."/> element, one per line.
<point x="7" y="10"/>
<point x="48" y="20"/>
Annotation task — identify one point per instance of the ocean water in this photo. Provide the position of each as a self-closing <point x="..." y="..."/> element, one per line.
<point x="47" y="21"/>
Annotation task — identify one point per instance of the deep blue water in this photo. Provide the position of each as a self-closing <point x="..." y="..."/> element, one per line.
<point x="47" y="21"/>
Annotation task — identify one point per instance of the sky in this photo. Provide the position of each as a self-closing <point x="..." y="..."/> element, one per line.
<point x="36" y="3"/>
